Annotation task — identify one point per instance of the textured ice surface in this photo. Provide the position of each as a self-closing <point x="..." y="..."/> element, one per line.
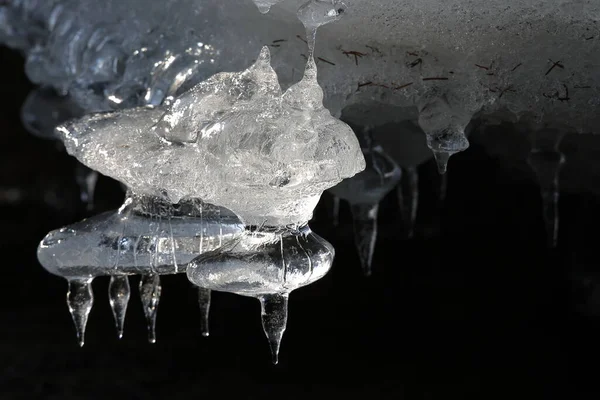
<point x="364" y="191"/>
<point x="267" y="264"/>
<point x="535" y="61"/>
<point x="147" y="236"/>
<point x="263" y="262"/>
<point x="144" y="236"/>
<point x="235" y="140"/>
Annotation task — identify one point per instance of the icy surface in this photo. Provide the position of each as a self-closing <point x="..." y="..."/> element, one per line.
<point x="267" y="264"/>
<point x="235" y="140"/>
<point x="533" y="61"/>
<point x="143" y="237"/>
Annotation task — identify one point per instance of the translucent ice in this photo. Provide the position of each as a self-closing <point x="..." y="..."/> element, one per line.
<point x="234" y="140"/>
<point x="267" y="264"/>
<point x="409" y="202"/>
<point x="364" y="191"/>
<point x="80" y="300"/>
<point x="265" y="5"/>
<point x="280" y="253"/>
<point x="444" y="127"/>
<point x="546" y="160"/>
<point x="147" y="236"/>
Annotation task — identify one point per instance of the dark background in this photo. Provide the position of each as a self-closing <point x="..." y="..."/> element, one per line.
<point x="475" y="306"/>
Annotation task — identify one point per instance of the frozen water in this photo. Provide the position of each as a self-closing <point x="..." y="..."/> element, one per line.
<point x="280" y="255"/>
<point x="409" y="202"/>
<point x="234" y="140"/>
<point x="147" y="236"/>
<point x="266" y="264"/>
<point x="80" y="300"/>
<point x="265" y="5"/>
<point x="204" y="298"/>
<point x="150" y="290"/>
<point x="119" y="292"/>
<point x="364" y="191"/>
<point x="444" y="127"/>
<point x="546" y="160"/>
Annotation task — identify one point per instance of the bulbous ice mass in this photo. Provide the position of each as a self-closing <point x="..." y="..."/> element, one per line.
<point x="234" y="140"/>
<point x="264" y="262"/>
<point x="143" y="236"/>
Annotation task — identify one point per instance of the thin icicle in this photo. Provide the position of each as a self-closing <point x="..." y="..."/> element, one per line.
<point x="150" y="294"/>
<point x="409" y="203"/>
<point x="274" y="313"/>
<point x="119" y="293"/>
<point x="365" y="233"/>
<point x="80" y="299"/>
<point x="547" y="165"/>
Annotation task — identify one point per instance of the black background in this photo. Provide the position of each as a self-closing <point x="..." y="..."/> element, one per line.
<point x="475" y="306"/>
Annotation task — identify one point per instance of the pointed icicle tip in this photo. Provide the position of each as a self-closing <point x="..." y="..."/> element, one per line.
<point x="119" y="293"/>
<point x="204" y="298"/>
<point x="80" y="300"/>
<point x="364" y="218"/>
<point x="150" y="290"/>
<point x="441" y="159"/>
<point x="274" y="310"/>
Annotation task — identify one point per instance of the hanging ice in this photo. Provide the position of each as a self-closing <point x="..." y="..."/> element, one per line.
<point x="147" y="236"/>
<point x="444" y="127"/>
<point x="364" y="192"/>
<point x="546" y="160"/>
<point x="267" y="263"/>
<point x="234" y="140"/>
<point x="405" y="142"/>
<point x="279" y="253"/>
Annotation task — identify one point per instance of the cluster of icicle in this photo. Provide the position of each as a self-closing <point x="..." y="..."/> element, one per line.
<point x="151" y="236"/>
<point x="260" y="244"/>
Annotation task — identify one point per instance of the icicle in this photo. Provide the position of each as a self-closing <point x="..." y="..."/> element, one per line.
<point x="274" y="312"/>
<point x="80" y="300"/>
<point x="409" y="206"/>
<point x="336" y="211"/>
<point x="444" y="127"/>
<point x="546" y="161"/>
<point x="204" y="297"/>
<point x="365" y="233"/>
<point x="150" y="294"/>
<point x="86" y="179"/>
<point x="443" y="188"/>
<point x="266" y="263"/>
<point x="118" y="294"/>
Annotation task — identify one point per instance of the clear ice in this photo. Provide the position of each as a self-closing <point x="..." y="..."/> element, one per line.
<point x="444" y="127"/>
<point x="409" y="202"/>
<point x="269" y="136"/>
<point x="276" y="256"/>
<point x="546" y="160"/>
<point x="265" y="263"/>
<point x="147" y="236"/>
<point x="234" y="140"/>
<point x="364" y="192"/>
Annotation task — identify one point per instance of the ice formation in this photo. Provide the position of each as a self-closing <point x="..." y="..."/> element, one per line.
<point x="364" y="192"/>
<point x="546" y="160"/>
<point x="281" y="255"/>
<point x="147" y="236"/>
<point x="267" y="264"/>
<point x="235" y="140"/>
<point x="180" y="126"/>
